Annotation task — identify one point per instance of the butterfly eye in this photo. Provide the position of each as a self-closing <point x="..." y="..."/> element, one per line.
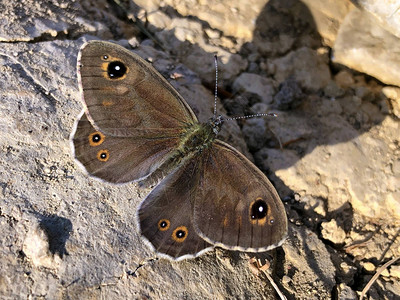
<point x="163" y="224"/>
<point x="96" y="138"/>
<point x="116" y="69"/>
<point x="102" y="155"/>
<point x="180" y="234"/>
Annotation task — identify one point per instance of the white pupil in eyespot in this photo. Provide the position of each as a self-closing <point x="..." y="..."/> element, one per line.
<point x="117" y="68"/>
<point x="260" y="209"/>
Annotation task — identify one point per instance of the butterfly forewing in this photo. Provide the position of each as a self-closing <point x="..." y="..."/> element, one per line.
<point x="134" y="117"/>
<point x="123" y="93"/>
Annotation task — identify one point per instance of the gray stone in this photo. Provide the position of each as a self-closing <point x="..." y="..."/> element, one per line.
<point x="254" y="86"/>
<point x="386" y="13"/>
<point x="289" y="95"/>
<point x="304" y="65"/>
<point x="344" y="292"/>
<point x="366" y="47"/>
<point x="315" y="278"/>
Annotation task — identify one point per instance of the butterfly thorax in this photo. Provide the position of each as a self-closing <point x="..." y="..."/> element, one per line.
<point x="195" y="138"/>
<point x="199" y="136"/>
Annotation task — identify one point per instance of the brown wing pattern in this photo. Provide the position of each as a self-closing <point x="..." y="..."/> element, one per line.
<point x="123" y="93"/>
<point x="119" y="159"/>
<point x="166" y="218"/>
<point x="235" y="205"/>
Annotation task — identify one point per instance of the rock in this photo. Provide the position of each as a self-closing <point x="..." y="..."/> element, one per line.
<point x="273" y="35"/>
<point x="385" y="12"/>
<point x="328" y="16"/>
<point x="314" y="204"/>
<point x="353" y="48"/>
<point x="344" y="292"/>
<point x="304" y="65"/>
<point x="395" y="271"/>
<point x="232" y="20"/>
<point x="332" y="232"/>
<point x="393" y="94"/>
<point x="329" y="106"/>
<point x="344" y="79"/>
<point x="369" y="267"/>
<point x="254" y="133"/>
<point x="369" y="252"/>
<point x="254" y="87"/>
<point x="358" y="168"/>
<point x="347" y="272"/>
<point x="289" y="95"/>
<point x="333" y="91"/>
<point x="314" y="278"/>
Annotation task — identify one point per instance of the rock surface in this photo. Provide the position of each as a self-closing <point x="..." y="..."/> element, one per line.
<point x="333" y="152"/>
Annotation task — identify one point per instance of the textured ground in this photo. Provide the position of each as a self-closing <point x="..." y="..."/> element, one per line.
<point x="333" y="152"/>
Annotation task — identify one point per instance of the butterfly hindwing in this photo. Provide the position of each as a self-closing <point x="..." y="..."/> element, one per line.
<point x="166" y="218"/>
<point x="235" y="205"/>
<point x="119" y="159"/>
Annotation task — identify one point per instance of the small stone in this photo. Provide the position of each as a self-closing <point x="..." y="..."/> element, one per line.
<point x="369" y="267"/>
<point x="363" y="92"/>
<point x="315" y="204"/>
<point x="289" y="96"/>
<point x="344" y="79"/>
<point x="369" y="227"/>
<point x="396" y="167"/>
<point x="254" y="133"/>
<point x="306" y="66"/>
<point x="332" y="232"/>
<point x="393" y="94"/>
<point x="332" y="90"/>
<point x="395" y="271"/>
<point x="212" y="34"/>
<point x="385" y="273"/>
<point x="254" y="86"/>
<point x="384" y="106"/>
<point x="344" y="292"/>
<point x="329" y="106"/>
<point x="159" y="19"/>
<point x="134" y="42"/>
<point x="286" y="279"/>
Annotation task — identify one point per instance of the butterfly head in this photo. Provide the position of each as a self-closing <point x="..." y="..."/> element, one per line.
<point x="216" y="124"/>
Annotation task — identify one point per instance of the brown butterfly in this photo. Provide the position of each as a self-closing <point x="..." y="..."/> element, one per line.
<point x="136" y="127"/>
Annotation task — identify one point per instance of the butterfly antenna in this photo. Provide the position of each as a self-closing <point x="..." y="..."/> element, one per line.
<point x="216" y="95"/>
<point x="216" y="85"/>
<point x="253" y="116"/>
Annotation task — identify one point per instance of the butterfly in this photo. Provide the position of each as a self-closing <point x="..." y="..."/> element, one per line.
<point x="136" y="127"/>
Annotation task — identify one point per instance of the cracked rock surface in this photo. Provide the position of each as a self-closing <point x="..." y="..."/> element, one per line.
<point x="333" y="152"/>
